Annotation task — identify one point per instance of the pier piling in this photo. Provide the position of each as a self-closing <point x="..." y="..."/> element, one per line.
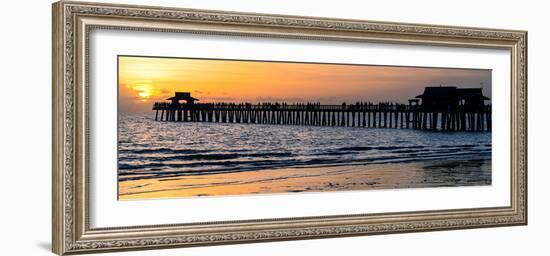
<point x="367" y="115"/>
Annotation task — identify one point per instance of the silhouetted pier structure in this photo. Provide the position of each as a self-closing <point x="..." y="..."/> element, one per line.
<point x="438" y="108"/>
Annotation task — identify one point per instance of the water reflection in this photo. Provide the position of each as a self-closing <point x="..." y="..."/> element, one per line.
<point x="163" y="158"/>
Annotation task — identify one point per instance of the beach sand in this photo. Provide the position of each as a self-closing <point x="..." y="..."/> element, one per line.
<point x="433" y="173"/>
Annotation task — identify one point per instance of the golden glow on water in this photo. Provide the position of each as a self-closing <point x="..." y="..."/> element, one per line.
<point x="315" y="179"/>
<point x="169" y="159"/>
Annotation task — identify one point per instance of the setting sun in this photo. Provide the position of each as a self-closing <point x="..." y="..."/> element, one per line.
<point x="143" y="91"/>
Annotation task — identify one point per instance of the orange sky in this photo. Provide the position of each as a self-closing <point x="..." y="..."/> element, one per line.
<point x="144" y="80"/>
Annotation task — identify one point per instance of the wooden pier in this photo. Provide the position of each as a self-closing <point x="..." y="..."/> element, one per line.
<point x="369" y="115"/>
<point x="442" y="109"/>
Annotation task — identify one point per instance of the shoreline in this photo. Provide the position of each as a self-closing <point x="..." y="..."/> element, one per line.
<point x="419" y="174"/>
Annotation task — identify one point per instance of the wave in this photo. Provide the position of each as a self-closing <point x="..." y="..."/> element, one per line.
<point x="147" y="149"/>
<point x="169" y="169"/>
<point x="379" y="148"/>
<point x="458" y="146"/>
<point x="211" y="156"/>
<point x="166" y="154"/>
<point x="163" y="150"/>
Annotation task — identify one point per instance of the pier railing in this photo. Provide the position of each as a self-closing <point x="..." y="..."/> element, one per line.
<point x="371" y="115"/>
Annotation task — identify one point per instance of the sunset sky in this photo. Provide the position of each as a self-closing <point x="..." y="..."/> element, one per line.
<point x="145" y="80"/>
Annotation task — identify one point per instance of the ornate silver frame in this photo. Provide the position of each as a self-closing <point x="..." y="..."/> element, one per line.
<point x="72" y="21"/>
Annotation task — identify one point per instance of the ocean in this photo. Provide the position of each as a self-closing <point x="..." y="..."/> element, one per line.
<point x="153" y="150"/>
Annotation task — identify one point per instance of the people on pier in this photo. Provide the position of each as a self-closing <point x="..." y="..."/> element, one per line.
<point x="471" y="115"/>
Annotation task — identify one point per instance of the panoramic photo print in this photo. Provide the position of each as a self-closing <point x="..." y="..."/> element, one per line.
<point x="192" y="127"/>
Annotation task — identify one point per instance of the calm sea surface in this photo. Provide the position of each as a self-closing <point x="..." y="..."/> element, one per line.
<point x="151" y="149"/>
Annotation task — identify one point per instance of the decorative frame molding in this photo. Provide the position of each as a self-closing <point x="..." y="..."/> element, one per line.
<point x="72" y="22"/>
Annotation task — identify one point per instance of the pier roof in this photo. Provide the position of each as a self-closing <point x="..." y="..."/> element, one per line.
<point x="438" y="92"/>
<point x="183" y="96"/>
<point x="451" y="92"/>
<point x="471" y="93"/>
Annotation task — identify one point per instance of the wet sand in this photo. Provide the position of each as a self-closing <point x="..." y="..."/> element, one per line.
<point x="435" y="173"/>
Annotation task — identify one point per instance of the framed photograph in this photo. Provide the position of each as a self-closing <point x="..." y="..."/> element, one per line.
<point x="179" y="127"/>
